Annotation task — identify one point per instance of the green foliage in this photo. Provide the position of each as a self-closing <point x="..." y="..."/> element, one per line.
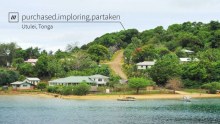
<point x="41" y="85"/>
<point x="194" y="71"/>
<point x="102" y="69"/>
<point x="54" y="68"/>
<point x="165" y="68"/>
<point x="114" y="80"/>
<point x="41" y="66"/>
<point x="118" y="39"/>
<point x="81" y="89"/>
<point x="26" y="69"/>
<point x="67" y="90"/>
<point x="212" y="87"/>
<point x="78" y="61"/>
<point x="21" y="78"/>
<point x="188" y="40"/>
<point x="121" y="87"/>
<point x="98" y="52"/>
<point x="7" y="53"/>
<point x="8" y="76"/>
<point x="211" y="55"/>
<point x="16" y="62"/>
<point x="157" y="43"/>
<point x="138" y="83"/>
<point x="53" y="89"/>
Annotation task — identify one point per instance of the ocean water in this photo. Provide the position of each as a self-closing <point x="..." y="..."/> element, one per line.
<point x="37" y="110"/>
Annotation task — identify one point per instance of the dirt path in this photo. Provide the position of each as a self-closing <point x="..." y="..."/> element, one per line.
<point x="116" y="65"/>
<point x="182" y="92"/>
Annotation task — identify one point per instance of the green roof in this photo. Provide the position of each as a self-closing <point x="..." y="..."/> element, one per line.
<point x="73" y="79"/>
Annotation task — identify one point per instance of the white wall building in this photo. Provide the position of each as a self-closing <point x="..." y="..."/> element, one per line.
<point x="145" y="64"/>
<point x="184" y="60"/>
<point x="32" y="80"/>
<point x="22" y="86"/>
<point x="32" y="61"/>
<point x="74" y="80"/>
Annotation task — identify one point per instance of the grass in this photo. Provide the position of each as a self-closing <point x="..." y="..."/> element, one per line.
<point x="133" y="92"/>
<point x="194" y="90"/>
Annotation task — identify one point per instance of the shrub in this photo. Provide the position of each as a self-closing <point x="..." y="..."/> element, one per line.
<point x="191" y="83"/>
<point x="212" y="87"/>
<point x="67" y="90"/>
<point x="41" y="85"/>
<point x="120" y="87"/>
<point x="52" y="89"/>
<point x="81" y="89"/>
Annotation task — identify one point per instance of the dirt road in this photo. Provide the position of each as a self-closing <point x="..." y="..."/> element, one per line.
<point x="116" y="65"/>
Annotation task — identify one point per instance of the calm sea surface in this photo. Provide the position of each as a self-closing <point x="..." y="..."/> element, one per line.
<point x="37" y="110"/>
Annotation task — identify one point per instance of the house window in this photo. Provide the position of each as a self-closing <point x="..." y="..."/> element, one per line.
<point x="25" y="85"/>
<point x="99" y="79"/>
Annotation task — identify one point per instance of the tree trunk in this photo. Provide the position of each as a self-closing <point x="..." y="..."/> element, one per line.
<point x="137" y="90"/>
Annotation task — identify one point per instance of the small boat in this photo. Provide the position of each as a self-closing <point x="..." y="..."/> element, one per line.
<point x="127" y="99"/>
<point x="187" y="98"/>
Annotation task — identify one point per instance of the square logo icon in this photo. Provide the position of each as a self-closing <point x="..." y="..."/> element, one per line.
<point x="13" y="17"/>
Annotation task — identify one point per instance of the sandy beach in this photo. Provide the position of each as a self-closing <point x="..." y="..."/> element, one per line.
<point x="114" y="97"/>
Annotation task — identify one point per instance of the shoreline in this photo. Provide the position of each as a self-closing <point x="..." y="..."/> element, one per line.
<point x="112" y="97"/>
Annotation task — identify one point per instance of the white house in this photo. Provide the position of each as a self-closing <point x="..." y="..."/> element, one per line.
<point x="74" y="80"/>
<point x="32" y="61"/>
<point x="22" y="86"/>
<point x="187" y="51"/>
<point x="99" y="79"/>
<point x="184" y="60"/>
<point x="32" y="80"/>
<point x="145" y="64"/>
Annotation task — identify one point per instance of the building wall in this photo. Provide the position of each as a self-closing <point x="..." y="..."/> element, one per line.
<point x="100" y="80"/>
<point x="32" y="82"/>
<point x="24" y="86"/>
<point x="143" y="66"/>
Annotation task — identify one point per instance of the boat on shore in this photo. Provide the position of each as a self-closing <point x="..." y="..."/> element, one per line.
<point x="126" y="99"/>
<point x="187" y="98"/>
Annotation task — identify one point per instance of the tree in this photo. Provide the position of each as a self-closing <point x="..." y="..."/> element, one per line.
<point x="147" y="52"/>
<point x="194" y="71"/>
<point x="16" y="62"/>
<point x="138" y="83"/>
<point x="165" y="68"/>
<point x="103" y="70"/>
<point x="33" y="52"/>
<point x="113" y="80"/>
<point x="174" y="84"/>
<point x="8" y="76"/>
<point x="73" y="47"/>
<point x="215" y="39"/>
<point x="55" y="68"/>
<point x="98" y="52"/>
<point x="7" y="53"/>
<point x="188" y="40"/>
<point x="41" y="66"/>
<point x="26" y="69"/>
<point x="211" y="55"/>
<point x="41" y="85"/>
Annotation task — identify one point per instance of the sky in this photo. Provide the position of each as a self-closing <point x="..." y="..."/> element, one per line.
<point x="138" y="14"/>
